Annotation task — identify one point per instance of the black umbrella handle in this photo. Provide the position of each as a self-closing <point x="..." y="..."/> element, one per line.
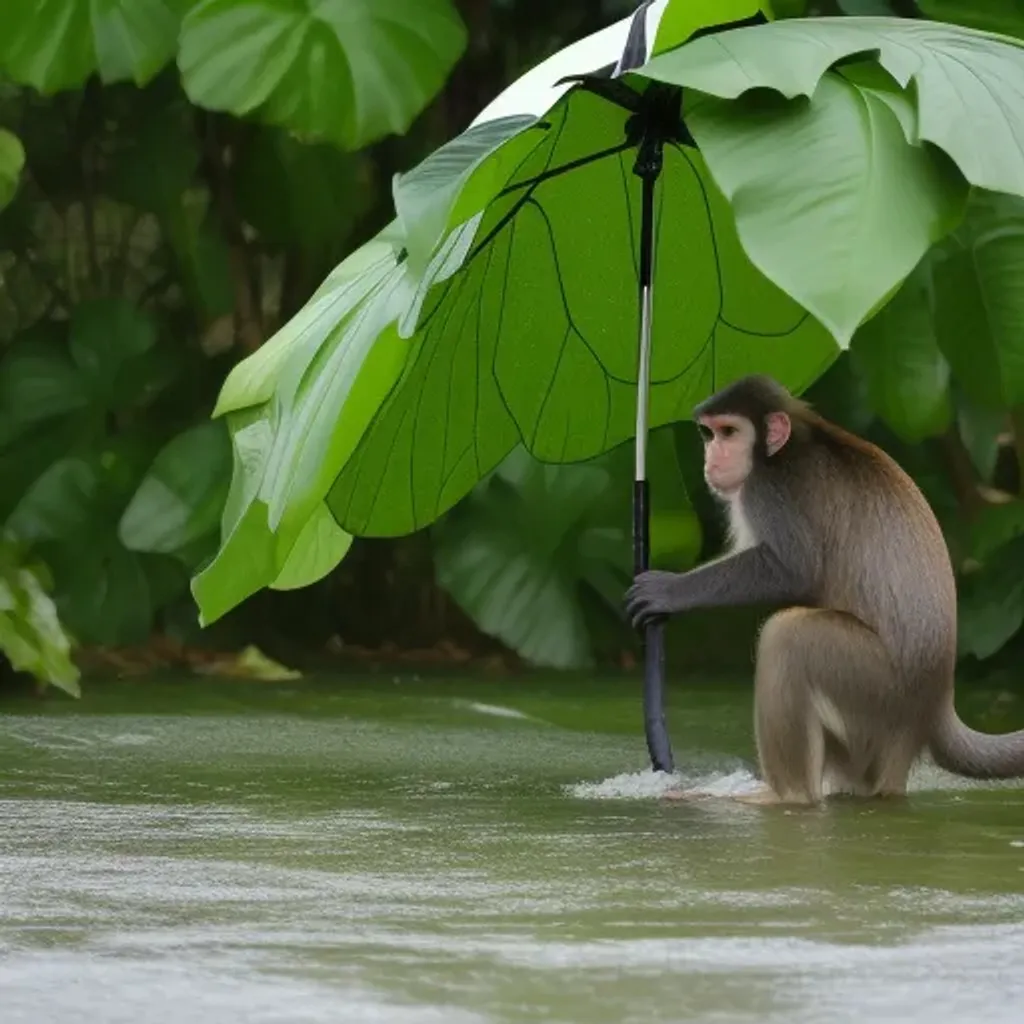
<point x="659" y="746"/>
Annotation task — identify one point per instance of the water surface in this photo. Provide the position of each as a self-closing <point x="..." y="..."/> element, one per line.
<point x="390" y="851"/>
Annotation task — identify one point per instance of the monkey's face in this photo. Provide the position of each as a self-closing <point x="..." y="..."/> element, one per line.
<point x="728" y="451"/>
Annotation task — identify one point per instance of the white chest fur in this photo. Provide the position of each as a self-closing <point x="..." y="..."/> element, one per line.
<point x="741" y="534"/>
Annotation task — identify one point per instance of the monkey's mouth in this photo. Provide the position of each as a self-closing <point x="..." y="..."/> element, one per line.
<point x="722" y="487"/>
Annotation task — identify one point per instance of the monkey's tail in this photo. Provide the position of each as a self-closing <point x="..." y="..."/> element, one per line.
<point x="976" y="755"/>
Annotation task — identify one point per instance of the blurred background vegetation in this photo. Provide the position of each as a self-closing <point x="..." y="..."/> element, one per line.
<point x="178" y="176"/>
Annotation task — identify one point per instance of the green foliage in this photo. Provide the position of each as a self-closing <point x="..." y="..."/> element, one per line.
<point x="39" y="382"/>
<point x="344" y="70"/>
<point x="295" y="193"/>
<point x="1005" y="16"/>
<point x="70" y="515"/>
<point x="198" y="177"/>
<point x="992" y="602"/>
<point x="867" y="8"/>
<point x="477" y="322"/>
<point x="148" y="237"/>
<point x="534" y="338"/>
<point x="31" y="635"/>
<point x="12" y="160"/>
<point x="680" y="20"/>
<point x="960" y="79"/>
<point x="77" y="386"/>
<point x="517" y="566"/>
<point x="107" y="335"/>
<point x="518" y="555"/>
<point x="897" y="351"/>
<point x="251" y="556"/>
<point x="179" y="501"/>
<point x="979" y="288"/>
<point x="836" y="169"/>
<point x="58" y="44"/>
<point x="348" y="71"/>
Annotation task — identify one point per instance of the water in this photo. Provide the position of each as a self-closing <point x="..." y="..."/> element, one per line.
<point x="491" y="852"/>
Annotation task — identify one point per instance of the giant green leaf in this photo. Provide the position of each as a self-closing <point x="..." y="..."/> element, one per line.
<point x="326" y="398"/>
<point x="969" y="85"/>
<point x="181" y="497"/>
<point x="58" y="44"/>
<point x="319" y="547"/>
<point x="12" y="160"/>
<point x="253" y="380"/>
<point x="349" y="71"/>
<point x="533" y="338"/>
<point x="906" y="373"/>
<point x="453" y="184"/>
<point x="380" y="275"/>
<point x="251" y="556"/>
<point x="332" y="365"/>
<point x="830" y="201"/>
<point x="979" y="295"/>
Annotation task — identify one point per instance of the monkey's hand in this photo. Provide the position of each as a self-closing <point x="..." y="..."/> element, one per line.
<point x="751" y="576"/>
<point x="652" y="597"/>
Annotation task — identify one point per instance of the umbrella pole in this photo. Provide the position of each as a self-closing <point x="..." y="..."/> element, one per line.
<point x="658" y="745"/>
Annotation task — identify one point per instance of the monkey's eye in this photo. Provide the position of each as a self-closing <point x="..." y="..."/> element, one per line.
<point x="728" y="430"/>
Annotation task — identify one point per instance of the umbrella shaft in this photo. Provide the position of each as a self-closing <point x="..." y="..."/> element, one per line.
<point x="643" y="383"/>
<point x="658" y="745"/>
<point x="646" y="324"/>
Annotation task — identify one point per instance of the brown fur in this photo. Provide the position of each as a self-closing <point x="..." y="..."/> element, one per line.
<point x="855" y="680"/>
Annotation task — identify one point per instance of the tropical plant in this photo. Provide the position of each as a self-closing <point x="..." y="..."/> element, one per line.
<point x="31" y="634"/>
<point x="533" y="542"/>
<point x="173" y="177"/>
<point x="359" y="387"/>
<point x="175" y="182"/>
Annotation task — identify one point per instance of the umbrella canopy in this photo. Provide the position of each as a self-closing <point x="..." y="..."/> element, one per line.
<point x="741" y="195"/>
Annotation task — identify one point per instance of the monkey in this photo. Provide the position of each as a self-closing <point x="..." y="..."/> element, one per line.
<point x="854" y="674"/>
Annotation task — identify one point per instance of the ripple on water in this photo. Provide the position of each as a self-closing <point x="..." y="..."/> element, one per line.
<point x="401" y="874"/>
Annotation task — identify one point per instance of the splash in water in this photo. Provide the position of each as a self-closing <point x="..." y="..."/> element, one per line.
<point x="651" y="785"/>
<point x="732" y="782"/>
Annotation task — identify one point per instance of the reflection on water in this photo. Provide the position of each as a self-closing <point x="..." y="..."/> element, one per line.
<point x="420" y="854"/>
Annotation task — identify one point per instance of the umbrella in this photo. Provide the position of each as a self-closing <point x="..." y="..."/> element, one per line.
<point x="655" y="210"/>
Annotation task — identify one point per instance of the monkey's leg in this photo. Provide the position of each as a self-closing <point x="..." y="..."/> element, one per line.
<point x="826" y="702"/>
<point x="790" y="738"/>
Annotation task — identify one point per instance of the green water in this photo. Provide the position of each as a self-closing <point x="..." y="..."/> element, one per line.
<point x="407" y="852"/>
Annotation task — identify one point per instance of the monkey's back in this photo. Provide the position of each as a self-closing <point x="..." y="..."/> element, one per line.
<point x="883" y="556"/>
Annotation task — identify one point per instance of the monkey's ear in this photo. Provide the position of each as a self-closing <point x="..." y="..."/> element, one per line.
<point x="776" y="431"/>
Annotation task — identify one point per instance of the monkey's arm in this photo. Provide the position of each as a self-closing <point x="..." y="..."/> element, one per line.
<point x="751" y="576"/>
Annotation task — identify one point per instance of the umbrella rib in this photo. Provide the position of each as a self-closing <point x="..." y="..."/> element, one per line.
<point x="572" y="165"/>
<point x="804" y="316"/>
<point x="531" y="184"/>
